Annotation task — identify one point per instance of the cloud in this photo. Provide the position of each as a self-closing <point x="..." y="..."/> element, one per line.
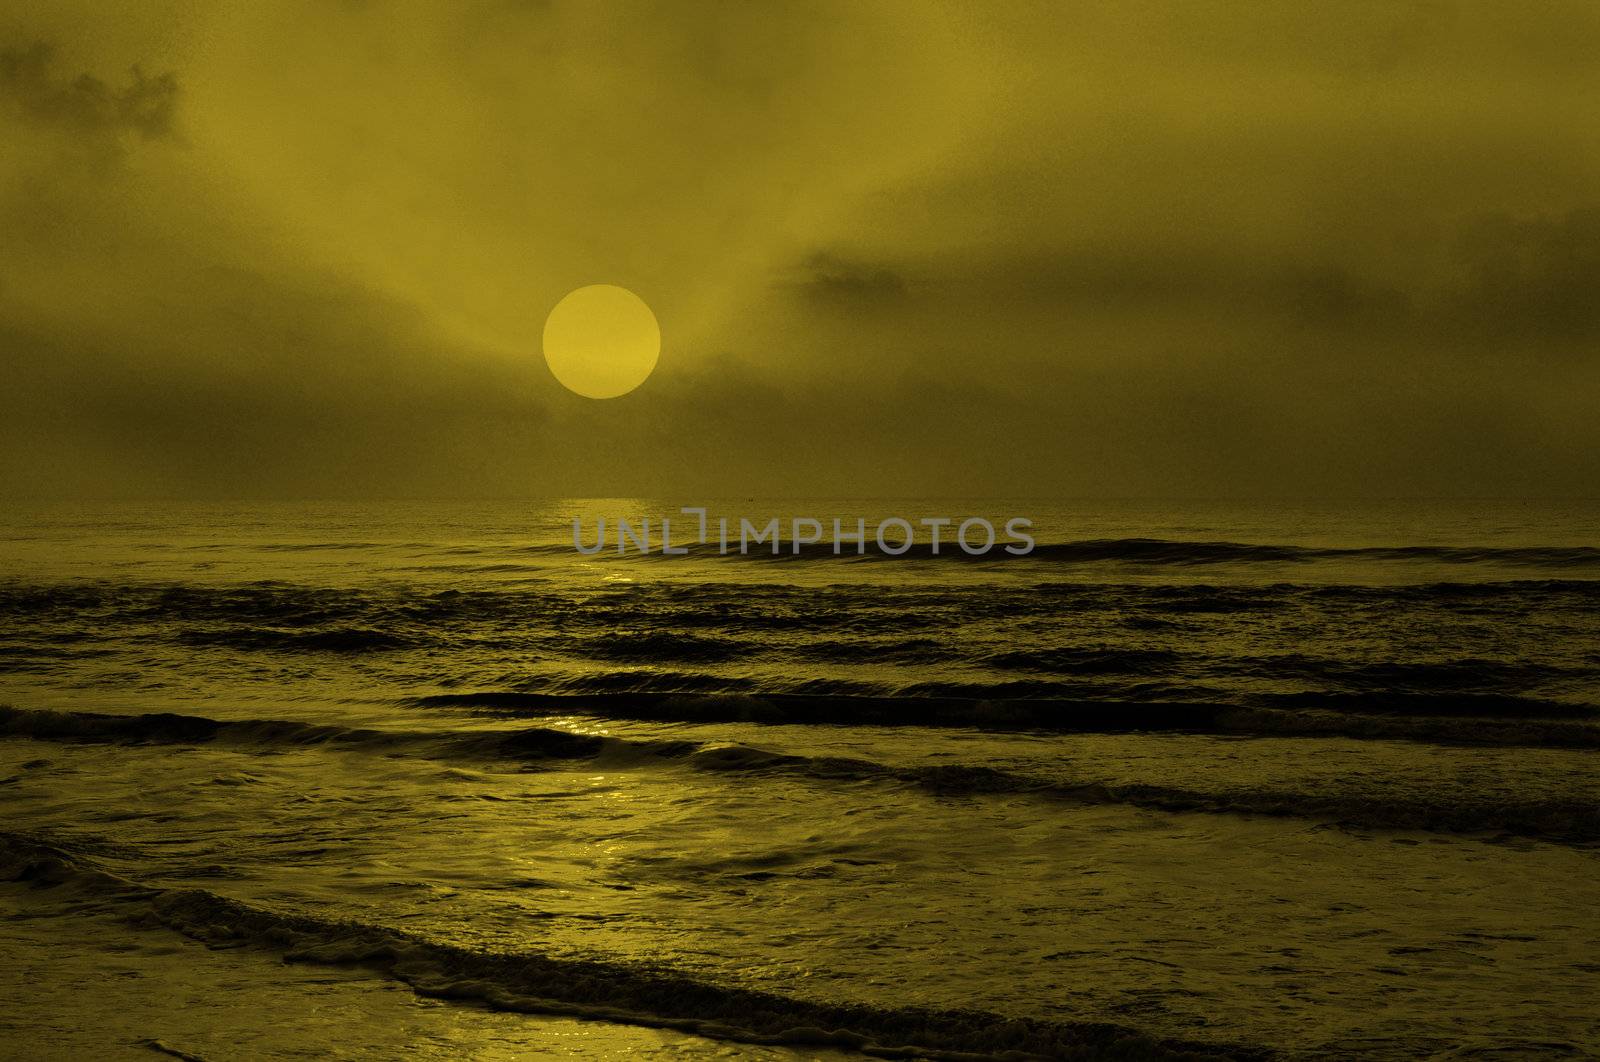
<point x="1531" y="280"/>
<point x="830" y="278"/>
<point x="85" y="104"/>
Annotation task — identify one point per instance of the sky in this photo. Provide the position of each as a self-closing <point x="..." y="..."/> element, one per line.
<point x="1122" y="249"/>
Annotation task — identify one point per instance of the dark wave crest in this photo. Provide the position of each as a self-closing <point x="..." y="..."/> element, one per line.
<point x="166" y="728"/>
<point x="1166" y="551"/>
<point x="1085" y="660"/>
<point x="613" y="991"/>
<point x="731" y="604"/>
<point x="1567" y="822"/>
<point x="1447" y="718"/>
<point x="1146" y="551"/>
<point x="316" y="640"/>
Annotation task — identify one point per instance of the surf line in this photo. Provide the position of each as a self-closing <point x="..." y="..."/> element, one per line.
<point x="893" y="536"/>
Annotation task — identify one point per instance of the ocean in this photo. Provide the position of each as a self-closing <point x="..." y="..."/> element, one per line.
<point x="1186" y="780"/>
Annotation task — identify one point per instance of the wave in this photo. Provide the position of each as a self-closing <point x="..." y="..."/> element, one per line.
<point x="1084" y="660"/>
<point x="314" y="640"/>
<point x="1449" y="719"/>
<point x="1166" y="551"/>
<point x="167" y="728"/>
<point x="1461" y="705"/>
<point x="835" y="608"/>
<point x="1567" y="822"/>
<point x="653" y="646"/>
<point x="667" y="705"/>
<point x="1559" y="821"/>
<point x="872" y="650"/>
<point x="1146" y="551"/>
<point x="1464" y="675"/>
<point x="1142" y="550"/>
<point x="1355" y="681"/>
<point x="628" y="993"/>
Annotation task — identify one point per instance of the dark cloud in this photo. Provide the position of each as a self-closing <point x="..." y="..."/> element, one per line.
<point x="270" y="390"/>
<point x="833" y="278"/>
<point x="1207" y="282"/>
<point x="30" y="83"/>
<point x="1531" y="280"/>
<point x="1520" y="286"/>
<point x="1335" y="297"/>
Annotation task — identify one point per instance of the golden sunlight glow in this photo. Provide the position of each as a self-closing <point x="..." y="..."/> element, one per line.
<point x="601" y="341"/>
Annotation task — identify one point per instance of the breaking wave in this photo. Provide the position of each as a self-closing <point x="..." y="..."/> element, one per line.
<point x="530" y="982"/>
<point x="1447" y="719"/>
<point x="1145" y="551"/>
<point x="1569" y="822"/>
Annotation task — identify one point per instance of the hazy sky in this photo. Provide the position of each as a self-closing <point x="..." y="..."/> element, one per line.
<point x="1125" y="248"/>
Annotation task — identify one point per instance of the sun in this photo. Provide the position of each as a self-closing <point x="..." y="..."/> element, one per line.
<point x="601" y="341"/>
